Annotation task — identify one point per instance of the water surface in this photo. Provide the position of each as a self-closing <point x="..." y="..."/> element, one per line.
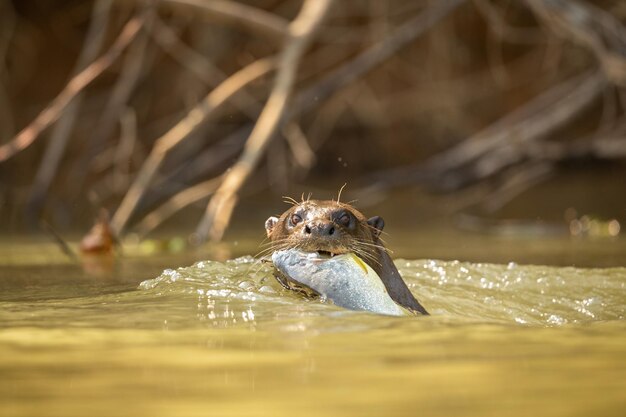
<point x="223" y="339"/>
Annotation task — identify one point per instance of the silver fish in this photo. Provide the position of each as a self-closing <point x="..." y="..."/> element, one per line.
<point x="344" y="279"/>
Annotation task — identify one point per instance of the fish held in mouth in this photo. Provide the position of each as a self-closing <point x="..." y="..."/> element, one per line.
<point x="345" y="279"/>
<point x="330" y="229"/>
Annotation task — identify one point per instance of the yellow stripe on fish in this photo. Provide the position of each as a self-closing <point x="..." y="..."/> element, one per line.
<point x="360" y="263"/>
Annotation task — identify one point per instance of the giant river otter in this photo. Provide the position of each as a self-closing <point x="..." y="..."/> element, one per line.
<point x="331" y="228"/>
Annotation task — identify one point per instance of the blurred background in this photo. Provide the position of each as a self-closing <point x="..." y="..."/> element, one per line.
<point x="484" y="117"/>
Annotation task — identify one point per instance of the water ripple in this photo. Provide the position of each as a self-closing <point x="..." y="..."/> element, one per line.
<point x="238" y="290"/>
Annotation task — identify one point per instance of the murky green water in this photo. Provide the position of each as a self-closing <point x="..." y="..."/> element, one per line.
<point x="224" y="339"/>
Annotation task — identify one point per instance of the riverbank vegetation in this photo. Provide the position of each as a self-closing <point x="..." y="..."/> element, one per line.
<point x="146" y="108"/>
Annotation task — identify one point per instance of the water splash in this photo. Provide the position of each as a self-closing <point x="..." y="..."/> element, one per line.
<point x="242" y="290"/>
<point x="526" y="294"/>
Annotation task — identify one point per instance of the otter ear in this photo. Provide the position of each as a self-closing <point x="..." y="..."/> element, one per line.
<point x="377" y="224"/>
<point x="269" y="225"/>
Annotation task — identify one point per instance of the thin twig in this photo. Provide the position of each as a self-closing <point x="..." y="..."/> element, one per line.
<point x="65" y="248"/>
<point x="96" y="34"/>
<point x="498" y="24"/>
<point x="301" y="32"/>
<point x="538" y="127"/>
<point x="208" y="163"/>
<point x="124" y="150"/>
<point x="53" y="111"/>
<point x="222" y="203"/>
<point x="517" y="181"/>
<point x="517" y="124"/>
<point x="177" y="202"/>
<point x="375" y="55"/>
<point x="504" y="142"/>
<point x="299" y="145"/>
<point x="278" y="167"/>
<point x="232" y="12"/>
<point x="196" y="63"/>
<point x="181" y="131"/>
<point x="585" y="25"/>
<point x="133" y="69"/>
<point x="199" y="65"/>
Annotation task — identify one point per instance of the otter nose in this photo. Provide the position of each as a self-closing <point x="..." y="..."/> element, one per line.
<point x="320" y="229"/>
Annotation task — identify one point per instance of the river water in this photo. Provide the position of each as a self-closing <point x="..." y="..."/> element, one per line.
<point x="223" y="339"/>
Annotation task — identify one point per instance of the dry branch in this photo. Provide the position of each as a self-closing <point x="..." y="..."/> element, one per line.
<point x="181" y="131"/>
<point x="247" y="17"/>
<point x="611" y="146"/>
<point x="51" y="113"/>
<point x="503" y="143"/>
<point x="516" y="181"/>
<point x="124" y="150"/>
<point x="197" y="64"/>
<point x="301" y="32"/>
<point x="507" y="146"/>
<point x="200" y="66"/>
<point x="177" y="202"/>
<point x="373" y="56"/>
<point x="62" y="129"/>
<point x="599" y="32"/>
<point x="515" y="152"/>
<point x="498" y="25"/>
<point x="212" y="161"/>
<point x="539" y="161"/>
<point x="222" y="203"/>
<point x="132" y="71"/>
<point x="302" y="153"/>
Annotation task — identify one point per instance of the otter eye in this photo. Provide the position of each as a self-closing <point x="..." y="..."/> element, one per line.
<point x="344" y="219"/>
<point x="295" y="219"/>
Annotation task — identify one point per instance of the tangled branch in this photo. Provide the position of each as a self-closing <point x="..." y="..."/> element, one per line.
<point x="53" y="111"/>
<point x="301" y="32"/>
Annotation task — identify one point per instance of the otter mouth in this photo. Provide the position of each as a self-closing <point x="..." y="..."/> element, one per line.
<point x="326" y="254"/>
<point x="323" y="251"/>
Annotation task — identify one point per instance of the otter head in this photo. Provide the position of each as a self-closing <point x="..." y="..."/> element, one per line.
<point x="326" y="227"/>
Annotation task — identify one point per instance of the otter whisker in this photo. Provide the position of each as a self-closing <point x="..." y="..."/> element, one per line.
<point x="265" y="242"/>
<point x="363" y="243"/>
<point x="377" y="231"/>
<point x="290" y="200"/>
<point x="273" y="246"/>
<point x="264" y="252"/>
<point x="365" y="251"/>
<point x="268" y="247"/>
<point x="340" y="190"/>
<point x="367" y="256"/>
<point x="271" y="242"/>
